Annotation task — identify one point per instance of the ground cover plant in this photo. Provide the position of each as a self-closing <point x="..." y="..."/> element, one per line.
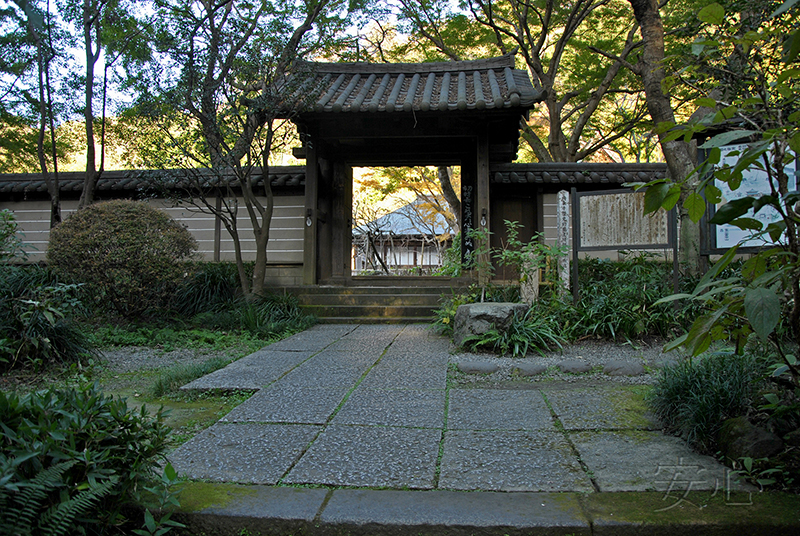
<point x="73" y="459"/>
<point x="693" y="397"/>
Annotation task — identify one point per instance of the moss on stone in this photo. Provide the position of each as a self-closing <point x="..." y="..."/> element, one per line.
<point x="694" y="508"/>
<point x="197" y="496"/>
<point x="630" y="406"/>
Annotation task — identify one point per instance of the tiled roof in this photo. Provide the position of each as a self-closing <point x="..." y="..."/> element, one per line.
<point x="420" y="87"/>
<point x="576" y="173"/>
<point x="288" y="176"/>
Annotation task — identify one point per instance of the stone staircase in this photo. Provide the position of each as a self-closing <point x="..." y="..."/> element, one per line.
<point x="386" y="301"/>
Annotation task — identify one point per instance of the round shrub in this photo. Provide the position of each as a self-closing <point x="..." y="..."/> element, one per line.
<point x="129" y="254"/>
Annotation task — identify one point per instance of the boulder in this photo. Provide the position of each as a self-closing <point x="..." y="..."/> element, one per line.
<point x="621" y="367"/>
<point x="739" y="438"/>
<point x="478" y="318"/>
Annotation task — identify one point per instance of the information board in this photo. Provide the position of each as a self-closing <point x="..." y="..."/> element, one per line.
<point x="755" y="183"/>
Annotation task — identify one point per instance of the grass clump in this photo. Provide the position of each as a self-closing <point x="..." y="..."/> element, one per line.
<point x="692" y="398"/>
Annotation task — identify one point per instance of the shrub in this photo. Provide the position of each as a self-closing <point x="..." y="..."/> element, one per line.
<point x="72" y="459"/>
<point x="10" y="242"/>
<point x="617" y="299"/>
<point x="36" y="327"/>
<point x="129" y="254"/>
<point x="268" y="317"/>
<point x="693" y="397"/>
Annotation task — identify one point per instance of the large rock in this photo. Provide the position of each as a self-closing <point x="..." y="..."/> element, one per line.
<point x="478" y="318"/>
<point x="739" y="438"/>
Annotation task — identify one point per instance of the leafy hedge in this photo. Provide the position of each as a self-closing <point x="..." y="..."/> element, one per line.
<point x="72" y="459"/>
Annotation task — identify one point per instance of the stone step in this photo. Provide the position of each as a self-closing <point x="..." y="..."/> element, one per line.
<point x="430" y="300"/>
<point x="373" y="304"/>
<point x="370" y="311"/>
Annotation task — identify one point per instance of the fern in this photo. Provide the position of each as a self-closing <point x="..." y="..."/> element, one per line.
<point x="26" y="506"/>
<point x="27" y="509"/>
<point x="58" y="519"/>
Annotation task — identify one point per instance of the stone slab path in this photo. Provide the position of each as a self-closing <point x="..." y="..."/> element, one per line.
<point x="369" y="406"/>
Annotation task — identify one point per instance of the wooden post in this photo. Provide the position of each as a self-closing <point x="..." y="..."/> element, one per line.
<point x="562" y="226"/>
<point x="482" y="205"/>
<point x="310" y="216"/>
<point x="341" y="218"/>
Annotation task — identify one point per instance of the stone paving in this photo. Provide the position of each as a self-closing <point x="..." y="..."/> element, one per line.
<point x="366" y="406"/>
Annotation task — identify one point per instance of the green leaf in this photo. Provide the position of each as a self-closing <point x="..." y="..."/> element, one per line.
<point x="714" y="155"/>
<point x="170" y="472"/>
<point x="705" y="101"/>
<point x="747" y="224"/>
<point x="788" y="73"/>
<point x="765" y="200"/>
<point x="695" y="205"/>
<point x="701" y="333"/>
<point x="654" y="197"/>
<point x="673" y="297"/>
<point x="712" y="14"/>
<point x="794" y="142"/>
<point x="776" y="230"/>
<point x="786" y="6"/>
<point x="772" y="398"/>
<point x="763" y="309"/>
<point x="672" y="197"/>
<point x="726" y="138"/>
<point x="677" y="343"/>
<point x="755" y="266"/>
<point x="732" y="210"/>
<point x="713" y="194"/>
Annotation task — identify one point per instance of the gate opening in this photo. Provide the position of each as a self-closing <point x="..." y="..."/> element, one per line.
<point x="405" y="221"/>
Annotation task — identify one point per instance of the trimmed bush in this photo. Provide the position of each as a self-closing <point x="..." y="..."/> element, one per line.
<point x="73" y="459"/>
<point x="129" y="254"/>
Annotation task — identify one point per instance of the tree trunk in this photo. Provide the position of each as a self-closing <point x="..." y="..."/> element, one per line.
<point x="450" y="193"/>
<point x="45" y="112"/>
<point x="678" y="154"/>
<point x="90" y="20"/>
